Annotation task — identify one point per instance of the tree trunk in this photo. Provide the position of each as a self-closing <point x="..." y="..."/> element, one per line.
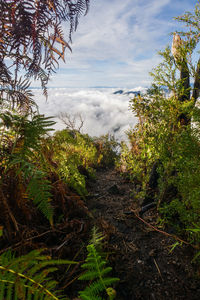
<point x="195" y="93"/>
<point x="183" y="118"/>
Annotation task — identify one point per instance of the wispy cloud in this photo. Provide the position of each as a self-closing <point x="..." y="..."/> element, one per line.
<point x="116" y="43"/>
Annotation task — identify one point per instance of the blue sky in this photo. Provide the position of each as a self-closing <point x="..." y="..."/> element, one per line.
<point x="116" y="44"/>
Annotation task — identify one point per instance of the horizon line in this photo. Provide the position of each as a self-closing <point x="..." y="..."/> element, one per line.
<point x="87" y="87"/>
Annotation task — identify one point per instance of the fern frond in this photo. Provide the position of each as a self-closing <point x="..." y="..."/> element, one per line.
<point x="95" y="288"/>
<point x="96" y="271"/>
<point x="17" y="92"/>
<point x="81" y="8"/>
<point x="27" y="145"/>
<point x="27" y="277"/>
<point x="90" y="275"/>
<point x="89" y="297"/>
<point x="38" y="187"/>
<point x="26" y="35"/>
<point x="96" y="237"/>
<point x="39" y="190"/>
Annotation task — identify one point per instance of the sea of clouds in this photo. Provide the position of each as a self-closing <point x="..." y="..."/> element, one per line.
<point x="102" y="111"/>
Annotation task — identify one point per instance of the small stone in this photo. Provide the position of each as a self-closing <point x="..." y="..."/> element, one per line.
<point x="166" y="293"/>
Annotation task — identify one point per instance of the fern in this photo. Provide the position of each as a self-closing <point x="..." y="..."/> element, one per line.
<point x="27" y="277"/>
<point x="81" y="8"/>
<point x="97" y="272"/>
<point x="38" y="187"/>
<point x="33" y="39"/>
<point x="26" y="150"/>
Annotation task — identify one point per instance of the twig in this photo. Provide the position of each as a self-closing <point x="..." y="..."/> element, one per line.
<point x="24" y="241"/>
<point x="59" y="247"/>
<point x="163" y="232"/>
<point x="70" y="282"/>
<point x="157" y="267"/>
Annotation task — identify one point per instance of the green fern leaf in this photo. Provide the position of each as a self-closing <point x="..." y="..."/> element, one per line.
<point x="27" y="277"/>
<point x="90" y="275"/>
<point x="38" y="187"/>
<point x="95" y="288"/>
<point x="96" y="271"/>
<point x="89" y="297"/>
<point x="106" y="271"/>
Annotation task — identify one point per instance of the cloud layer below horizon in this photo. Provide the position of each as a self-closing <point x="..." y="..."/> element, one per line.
<point x="102" y="111"/>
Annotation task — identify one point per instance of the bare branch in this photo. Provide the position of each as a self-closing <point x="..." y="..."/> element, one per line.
<point x="72" y="122"/>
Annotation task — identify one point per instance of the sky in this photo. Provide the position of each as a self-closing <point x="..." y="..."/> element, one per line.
<point x="116" y="43"/>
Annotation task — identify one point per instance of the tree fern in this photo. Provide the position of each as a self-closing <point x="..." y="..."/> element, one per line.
<point x="27" y="277"/>
<point x="97" y="272"/>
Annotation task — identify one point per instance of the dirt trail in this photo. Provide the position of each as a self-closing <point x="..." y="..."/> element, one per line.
<point x="141" y="257"/>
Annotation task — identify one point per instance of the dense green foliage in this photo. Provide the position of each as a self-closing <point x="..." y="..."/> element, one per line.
<point x="74" y="156"/>
<point x="107" y="147"/>
<point x="35" y="160"/>
<point x="178" y="153"/>
<point x="168" y="134"/>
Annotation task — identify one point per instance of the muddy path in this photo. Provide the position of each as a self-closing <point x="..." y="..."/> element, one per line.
<point x="140" y="255"/>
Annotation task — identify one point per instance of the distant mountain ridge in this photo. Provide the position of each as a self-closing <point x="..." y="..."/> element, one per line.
<point x="131" y="92"/>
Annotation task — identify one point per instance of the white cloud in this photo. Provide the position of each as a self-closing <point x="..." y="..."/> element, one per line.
<point x="102" y="111"/>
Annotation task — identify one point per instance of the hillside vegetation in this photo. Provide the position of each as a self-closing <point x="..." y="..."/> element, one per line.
<point x="50" y="193"/>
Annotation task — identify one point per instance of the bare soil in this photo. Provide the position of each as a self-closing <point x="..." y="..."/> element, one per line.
<point x="140" y="256"/>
